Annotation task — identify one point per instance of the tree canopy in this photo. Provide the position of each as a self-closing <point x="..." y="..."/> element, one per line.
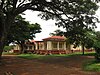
<point x="96" y="43"/>
<point x="57" y="32"/>
<point x="77" y="19"/>
<point x="21" y="31"/>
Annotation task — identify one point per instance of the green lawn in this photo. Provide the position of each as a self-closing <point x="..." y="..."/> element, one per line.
<point x="44" y="57"/>
<point x="93" y="65"/>
<point x="36" y="56"/>
<point x="8" y="53"/>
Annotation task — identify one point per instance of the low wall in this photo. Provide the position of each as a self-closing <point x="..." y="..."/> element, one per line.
<point x="88" y="50"/>
<point x="47" y="52"/>
<point x="16" y="51"/>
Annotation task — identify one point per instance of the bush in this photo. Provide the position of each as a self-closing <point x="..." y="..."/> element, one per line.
<point x="97" y="56"/>
<point x="8" y="48"/>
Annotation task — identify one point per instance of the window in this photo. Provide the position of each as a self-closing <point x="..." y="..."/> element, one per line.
<point x="54" y="44"/>
<point x="26" y="47"/>
<point x="41" y="45"/>
<point x="61" y="45"/>
<point x="30" y="47"/>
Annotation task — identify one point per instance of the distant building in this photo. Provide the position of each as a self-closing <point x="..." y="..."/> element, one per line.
<point x="50" y="45"/>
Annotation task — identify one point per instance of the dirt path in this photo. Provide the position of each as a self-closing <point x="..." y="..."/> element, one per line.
<point x="52" y="66"/>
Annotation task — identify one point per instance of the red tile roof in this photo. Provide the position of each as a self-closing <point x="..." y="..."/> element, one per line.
<point x="55" y="38"/>
<point x="32" y="41"/>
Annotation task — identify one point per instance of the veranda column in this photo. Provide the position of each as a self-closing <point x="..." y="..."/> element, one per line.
<point x="28" y="48"/>
<point x="64" y="46"/>
<point x="36" y="45"/>
<point x="43" y="46"/>
<point x="18" y="47"/>
<point x="57" y="45"/>
<point x="49" y="45"/>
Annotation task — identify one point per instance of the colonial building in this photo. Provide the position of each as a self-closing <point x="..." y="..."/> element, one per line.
<point x="50" y="45"/>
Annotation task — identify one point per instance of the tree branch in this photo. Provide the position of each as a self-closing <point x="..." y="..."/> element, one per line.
<point x="1" y="6"/>
<point x="21" y="3"/>
<point x="14" y="4"/>
<point x="22" y="8"/>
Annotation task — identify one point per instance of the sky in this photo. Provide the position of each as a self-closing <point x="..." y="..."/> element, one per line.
<point x="47" y="26"/>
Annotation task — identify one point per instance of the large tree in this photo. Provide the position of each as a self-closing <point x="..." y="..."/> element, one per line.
<point x="78" y="21"/>
<point x="68" y="13"/>
<point x="57" y="32"/>
<point x="82" y="38"/>
<point x="21" y="31"/>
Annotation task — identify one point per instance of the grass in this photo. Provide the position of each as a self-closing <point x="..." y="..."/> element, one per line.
<point x="35" y="56"/>
<point x="91" y="66"/>
<point x="8" y="53"/>
<point x="44" y="57"/>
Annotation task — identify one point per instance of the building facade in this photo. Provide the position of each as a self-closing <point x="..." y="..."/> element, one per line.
<point x="50" y="45"/>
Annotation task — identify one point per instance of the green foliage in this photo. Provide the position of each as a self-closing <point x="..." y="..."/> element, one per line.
<point x="10" y="53"/>
<point x="57" y="32"/>
<point x="8" y="48"/>
<point x="84" y="38"/>
<point x="79" y="14"/>
<point x="34" y="28"/>
<point x="22" y="30"/>
<point x="97" y="39"/>
<point x="91" y="66"/>
<point x="96" y="44"/>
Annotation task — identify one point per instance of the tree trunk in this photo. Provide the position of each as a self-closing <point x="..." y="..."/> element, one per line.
<point x="5" y="23"/>
<point x="83" y="49"/>
<point x="2" y="38"/>
<point x="22" y="44"/>
<point x="2" y="42"/>
<point x="22" y="48"/>
<point x="1" y="47"/>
